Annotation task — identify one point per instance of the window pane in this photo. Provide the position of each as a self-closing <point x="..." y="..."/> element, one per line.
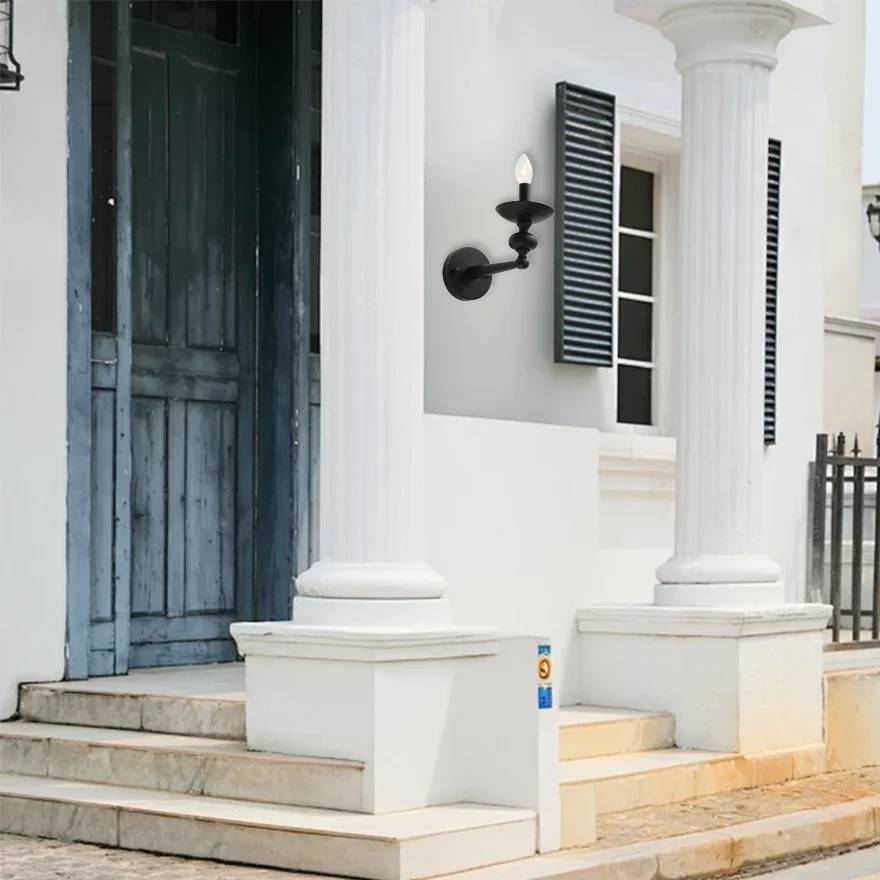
<point x="316" y="179"/>
<point x="635" y="325"/>
<point x="104" y="29"/>
<point x="634" y="395"/>
<point x="103" y="190"/>
<point x="142" y="9"/>
<point x="316" y="13"/>
<point x="636" y="268"/>
<point x="316" y="85"/>
<point x="636" y="199"/>
<point x="218" y="19"/>
<point x="315" y="289"/>
<point x="177" y="14"/>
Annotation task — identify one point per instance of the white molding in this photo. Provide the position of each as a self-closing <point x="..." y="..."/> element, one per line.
<point x="725" y="623"/>
<point x="804" y="13"/>
<point x="649" y="134"/>
<point x="362" y="644"/>
<point x="851" y="659"/>
<point x="838" y="325"/>
<point x="636" y="464"/>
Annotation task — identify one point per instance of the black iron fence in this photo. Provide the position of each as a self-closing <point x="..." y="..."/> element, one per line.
<point x="845" y="552"/>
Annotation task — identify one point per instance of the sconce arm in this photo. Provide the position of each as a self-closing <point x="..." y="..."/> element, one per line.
<point x="484" y="271"/>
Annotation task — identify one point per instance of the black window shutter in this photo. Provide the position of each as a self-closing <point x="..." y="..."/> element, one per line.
<point x="584" y="226"/>
<point x="774" y="179"/>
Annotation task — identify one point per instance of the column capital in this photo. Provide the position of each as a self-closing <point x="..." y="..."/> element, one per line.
<point x="737" y="31"/>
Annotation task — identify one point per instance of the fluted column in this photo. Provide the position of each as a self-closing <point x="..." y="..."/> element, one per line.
<point x="372" y="538"/>
<point x="725" y="53"/>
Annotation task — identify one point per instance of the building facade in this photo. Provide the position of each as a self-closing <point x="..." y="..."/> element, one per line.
<point x="229" y="363"/>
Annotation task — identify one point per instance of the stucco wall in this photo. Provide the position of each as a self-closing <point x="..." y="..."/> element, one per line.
<point x="491" y="73"/>
<point x="530" y="522"/>
<point x="869" y="265"/>
<point x="33" y="353"/>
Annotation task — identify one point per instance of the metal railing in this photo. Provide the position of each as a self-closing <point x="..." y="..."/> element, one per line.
<point x="854" y="526"/>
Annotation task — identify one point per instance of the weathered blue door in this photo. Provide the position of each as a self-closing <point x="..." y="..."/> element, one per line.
<point x="190" y="326"/>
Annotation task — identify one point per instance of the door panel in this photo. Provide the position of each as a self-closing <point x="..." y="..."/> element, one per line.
<point x="191" y="414"/>
<point x="149" y="165"/>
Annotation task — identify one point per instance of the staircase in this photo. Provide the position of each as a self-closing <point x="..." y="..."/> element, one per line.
<point x="156" y="761"/>
<point x="614" y="760"/>
<point x="126" y="763"/>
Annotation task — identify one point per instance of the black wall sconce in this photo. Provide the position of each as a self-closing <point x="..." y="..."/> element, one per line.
<point x="467" y="272"/>
<point x="873" y="213"/>
<point x="10" y="69"/>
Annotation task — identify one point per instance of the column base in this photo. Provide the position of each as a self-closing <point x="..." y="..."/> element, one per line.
<point x="371" y="613"/>
<point x="741" y="595"/>
<point x="370" y="580"/>
<point x="736" y="680"/>
<point x="434" y="716"/>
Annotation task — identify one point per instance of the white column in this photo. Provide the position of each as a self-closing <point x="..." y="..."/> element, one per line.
<point x="725" y="53"/>
<point x="372" y="539"/>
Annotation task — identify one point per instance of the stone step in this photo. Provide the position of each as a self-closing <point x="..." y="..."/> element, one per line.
<point x="396" y="846"/>
<point x="185" y="764"/>
<point x="192" y="701"/>
<point x="592" y="732"/>
<point x="644" y="779"/>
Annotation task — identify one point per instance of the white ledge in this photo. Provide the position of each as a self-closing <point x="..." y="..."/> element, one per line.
<point x="859" y="327"/>
<point x="363" y="644"/>
<point x="727" y="623"/>
<point x="851" y="660"/>
<point x="805" y="13"/>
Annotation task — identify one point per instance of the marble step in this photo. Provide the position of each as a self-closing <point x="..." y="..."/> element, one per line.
<point x="190" y="701"/>
<point x="592" y="732"/>
<point x="396" y="846"/>
<point x="186" y="764"/>
<point x="644" y="779"/>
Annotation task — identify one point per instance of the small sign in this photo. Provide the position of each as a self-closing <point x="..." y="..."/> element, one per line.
<point x="545" y="677"/>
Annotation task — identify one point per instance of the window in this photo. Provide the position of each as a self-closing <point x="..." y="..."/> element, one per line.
<point x="637" y="243"/>
<point x="215" y="19"/>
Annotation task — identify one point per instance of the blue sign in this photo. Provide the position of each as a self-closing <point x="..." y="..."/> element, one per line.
<point x="545" y="677"/>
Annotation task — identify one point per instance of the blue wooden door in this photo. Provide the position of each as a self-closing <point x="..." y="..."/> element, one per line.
<point x="191" y="350"/>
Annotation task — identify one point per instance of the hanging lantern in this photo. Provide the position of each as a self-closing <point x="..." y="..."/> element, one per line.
<point x="10" y="69"/>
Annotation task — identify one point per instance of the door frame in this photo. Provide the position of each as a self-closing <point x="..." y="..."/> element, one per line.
<point x="282" y="519"/>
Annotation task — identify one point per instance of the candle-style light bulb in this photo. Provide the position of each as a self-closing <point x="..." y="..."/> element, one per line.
<point x="523" y="169"/>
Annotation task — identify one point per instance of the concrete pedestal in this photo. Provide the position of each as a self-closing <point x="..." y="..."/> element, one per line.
<point x="435" y="717"/>
<point x="737" y="680"/>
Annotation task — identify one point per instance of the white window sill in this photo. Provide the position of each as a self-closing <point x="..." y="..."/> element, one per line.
<point x="636" y="444"/>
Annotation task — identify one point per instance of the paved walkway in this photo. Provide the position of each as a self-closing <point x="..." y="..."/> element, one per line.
<point x="734" y="807"/>
<point x="861" y="865"/>
<point x="27" y="859"/>
<point x="23" y="858"/>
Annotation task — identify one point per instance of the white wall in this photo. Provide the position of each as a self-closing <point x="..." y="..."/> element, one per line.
<point x="33" y="353"/>
<point x="492" y="68"/>
<point x="491" y="74"/>
<point x="871" y="145"/>
<point x="530" y="522"/>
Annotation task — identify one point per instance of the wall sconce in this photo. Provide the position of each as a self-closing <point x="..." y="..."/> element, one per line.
<point x="467" y="272"/>
<point x="873" y="213"/>
<point x="10" y="69"/>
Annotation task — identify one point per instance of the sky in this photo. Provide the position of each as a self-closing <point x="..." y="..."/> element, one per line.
<point x="871" y="135"/>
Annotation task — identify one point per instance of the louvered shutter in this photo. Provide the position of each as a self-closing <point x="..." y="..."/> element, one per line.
<point x="774" y="179"/>
<point x="584" y="226"/>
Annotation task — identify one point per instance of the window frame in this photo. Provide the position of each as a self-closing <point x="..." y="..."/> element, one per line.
<point x="653" y="163"/>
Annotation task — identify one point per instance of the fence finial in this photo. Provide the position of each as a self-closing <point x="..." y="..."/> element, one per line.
<point x="841" y="444"/>
<point x="856" y="447"/>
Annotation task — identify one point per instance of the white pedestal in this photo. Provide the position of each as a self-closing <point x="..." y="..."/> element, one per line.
<point x="435" y="716"/>
<point x="737" y="680"/>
